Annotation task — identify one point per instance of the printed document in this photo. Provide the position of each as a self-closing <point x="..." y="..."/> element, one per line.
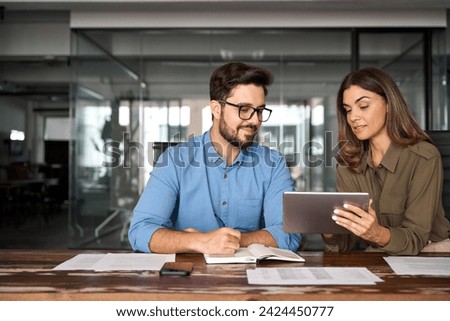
<point x="416" y="265"/>
<point x="311" y="276"/>
<point x="117" y="262"/>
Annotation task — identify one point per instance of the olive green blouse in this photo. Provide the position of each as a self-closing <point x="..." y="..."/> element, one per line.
<point x="407" y="196"/>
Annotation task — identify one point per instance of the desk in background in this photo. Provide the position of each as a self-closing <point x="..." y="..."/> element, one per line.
<point x="28" y="275"/>
<point x="23" y="198"/>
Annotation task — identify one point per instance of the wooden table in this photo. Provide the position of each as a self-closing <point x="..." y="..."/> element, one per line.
<point x="28" y="275"/>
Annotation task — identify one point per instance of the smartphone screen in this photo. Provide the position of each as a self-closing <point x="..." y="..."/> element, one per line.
<point x="176" y="268"/>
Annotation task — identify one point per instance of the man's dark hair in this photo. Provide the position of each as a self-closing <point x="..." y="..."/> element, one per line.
<point x="225" y="78"/>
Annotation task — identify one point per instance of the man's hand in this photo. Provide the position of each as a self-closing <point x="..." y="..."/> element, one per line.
<point x="222" y="241"/>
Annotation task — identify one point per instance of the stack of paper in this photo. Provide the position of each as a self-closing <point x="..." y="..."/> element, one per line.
<point x="413" y="265"/>
<point x="311" y="276"/>
<point x="117" y="262"/>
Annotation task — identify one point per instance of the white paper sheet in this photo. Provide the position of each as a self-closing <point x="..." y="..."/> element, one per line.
<point x="311" y="276"/>
<point x="117" y="262"/>
<point x="80" y="262"/>
<point x="414" y="265"/>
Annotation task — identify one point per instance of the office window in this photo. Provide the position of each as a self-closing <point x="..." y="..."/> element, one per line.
<point x="57" y="128"/>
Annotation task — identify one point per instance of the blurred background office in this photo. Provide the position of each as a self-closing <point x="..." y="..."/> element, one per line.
<point x="87" y="86"/>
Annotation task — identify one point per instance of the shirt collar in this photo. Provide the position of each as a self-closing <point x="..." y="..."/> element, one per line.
<point x="389" y="161"/>
<point x="213" y="156"/>
<point x="209" y="149"/>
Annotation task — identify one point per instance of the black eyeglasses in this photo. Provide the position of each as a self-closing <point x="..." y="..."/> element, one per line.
<point x="246" y="112"/>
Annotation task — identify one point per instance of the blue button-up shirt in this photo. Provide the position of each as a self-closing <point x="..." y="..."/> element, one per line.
<point x="191" y="187"/>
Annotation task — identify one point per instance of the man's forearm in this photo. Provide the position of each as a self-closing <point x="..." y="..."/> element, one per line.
<point x="260" y="237"/>
<point x="169" y="241"/>
<point x="222" y="241"/>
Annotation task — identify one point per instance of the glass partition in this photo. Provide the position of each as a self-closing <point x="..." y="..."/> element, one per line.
<point x="401" y="55"/>
<point x="416" y="60"/>
<point x="103" y="191"/>
<point x="439" y="116"/>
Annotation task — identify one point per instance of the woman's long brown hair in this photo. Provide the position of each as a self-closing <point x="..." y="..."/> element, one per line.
<point x="401" y="125"/>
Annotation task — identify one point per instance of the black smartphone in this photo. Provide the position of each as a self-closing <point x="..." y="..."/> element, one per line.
<point x="176" y="268"/>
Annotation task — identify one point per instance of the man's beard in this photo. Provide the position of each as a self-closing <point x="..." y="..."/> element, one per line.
<point x="232" y="137"/>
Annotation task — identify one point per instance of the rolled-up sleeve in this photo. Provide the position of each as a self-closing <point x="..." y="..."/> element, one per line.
<point x="273" y="207"/>
<point x="151" y="213"/>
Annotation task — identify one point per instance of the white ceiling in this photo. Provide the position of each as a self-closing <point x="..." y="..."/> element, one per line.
<point x="55" y="68"/>
<point x="222" y="4"/>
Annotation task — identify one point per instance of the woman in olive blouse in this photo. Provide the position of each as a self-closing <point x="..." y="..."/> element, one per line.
<point x="383" y="151"/>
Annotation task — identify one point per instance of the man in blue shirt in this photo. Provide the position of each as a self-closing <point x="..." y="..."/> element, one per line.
<point x="221" y="190"/>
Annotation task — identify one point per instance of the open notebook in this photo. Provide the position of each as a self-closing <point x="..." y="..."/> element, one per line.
<point x="253" y="254"/>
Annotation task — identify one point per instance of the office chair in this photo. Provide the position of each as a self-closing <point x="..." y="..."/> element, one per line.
<point x="159" y="148"/>
<point x="441" y="138"/>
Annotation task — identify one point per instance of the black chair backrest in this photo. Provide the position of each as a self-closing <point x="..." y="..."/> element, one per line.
<point x="159" y="148"/>
<point x="441" y="138"/>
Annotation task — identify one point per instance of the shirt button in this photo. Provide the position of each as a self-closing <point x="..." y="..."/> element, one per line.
<point x="224" y="203"/>
<point x="225" y="176"/>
